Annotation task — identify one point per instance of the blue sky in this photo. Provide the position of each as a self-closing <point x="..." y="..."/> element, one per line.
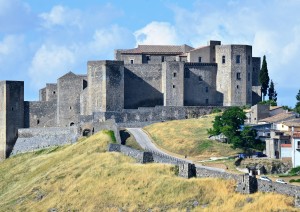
<point x="40" y="42"/>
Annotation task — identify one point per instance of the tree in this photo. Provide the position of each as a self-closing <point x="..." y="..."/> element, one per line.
<point x="229" y="123"/>
<point x="264" y="78"/>
<point x="297" y="107"/>
<point x="272" y="94"/>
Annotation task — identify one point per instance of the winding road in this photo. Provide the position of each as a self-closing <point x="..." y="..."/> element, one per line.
<point x="145" y="142"/>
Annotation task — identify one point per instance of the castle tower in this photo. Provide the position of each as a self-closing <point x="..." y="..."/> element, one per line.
<point x="234" y="76"/>
<point x="173" y="83"/>
<point x="11" y="114"/>
<point x="106" y="86"/>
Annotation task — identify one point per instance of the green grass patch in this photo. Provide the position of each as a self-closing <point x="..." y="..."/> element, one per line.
<point x="111" y="134"/>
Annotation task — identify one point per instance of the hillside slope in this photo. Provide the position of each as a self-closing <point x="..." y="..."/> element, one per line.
<point x="84" y="177"/>
<point x="188" y="137"/>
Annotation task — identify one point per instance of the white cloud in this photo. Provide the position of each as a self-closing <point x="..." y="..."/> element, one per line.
<point x="160" y="33"/>
<point x="49" y="63"/>
<point x="61" y="16"/>
<point x="105" y="40"/>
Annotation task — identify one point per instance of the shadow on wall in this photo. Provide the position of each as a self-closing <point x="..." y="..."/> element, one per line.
<point x="198" y="90"/>
<point x="139" y="93"/>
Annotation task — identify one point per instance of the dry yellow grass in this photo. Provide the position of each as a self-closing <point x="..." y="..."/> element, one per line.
<point x="84" y="177"/>
<point x="188" y="137"/>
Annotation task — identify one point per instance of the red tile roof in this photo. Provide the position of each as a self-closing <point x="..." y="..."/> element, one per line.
<point x="158" y="49"/>
<point x="279" y="117"/>
<point x="286" y="145"/>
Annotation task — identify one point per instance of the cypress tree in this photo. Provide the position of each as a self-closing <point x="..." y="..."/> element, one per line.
<point x="264" y="78"/>
<point x="271" y="91"/>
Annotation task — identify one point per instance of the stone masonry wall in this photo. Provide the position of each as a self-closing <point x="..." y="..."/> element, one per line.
<point x="200" y="84"/>
<point x="40" y="114"/>
<point x="142" y="85"/>
<point x="40" y="138"/>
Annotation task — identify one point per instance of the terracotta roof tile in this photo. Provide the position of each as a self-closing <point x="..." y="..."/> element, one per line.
<point x="286" y="145"/>
<point x="158" y="49"/>
<point x="292" y="123"/>
<point x="279" y="117"/>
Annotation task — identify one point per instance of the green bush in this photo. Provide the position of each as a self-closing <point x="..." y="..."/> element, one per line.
<point x="294" y="181"/>
<point x="111" y="134"/>
<point x="216" y="110"/>
<point x="295" y="171"/>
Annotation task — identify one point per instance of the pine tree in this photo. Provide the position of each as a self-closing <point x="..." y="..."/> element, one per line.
<point x="297" y="107"/>
<point x="264" y="78"/>
<point x="271" y="91"/>
<point x="272" y="94"/>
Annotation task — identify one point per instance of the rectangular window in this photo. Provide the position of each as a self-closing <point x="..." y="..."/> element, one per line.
<point x="173" y="86"/>
<point x="223" y="59"/>
<point x="298" y="146"/>
<point x="162" y="58"/>
<point x="238" y="59"/>
<point x="186" y="73"/>
<point x="249" y="76"/>
<point x="248" y="60"/>
<point x="174" y="74"/>
<point x="238" y="76"/>
<point x="199" y="59"/>
<point x="131" y="61"/>
<point x="148" y="57"/>
<point x="206" y="101"/>
<point x="206" y="89"/>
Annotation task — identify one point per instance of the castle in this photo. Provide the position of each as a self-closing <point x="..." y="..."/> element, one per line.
<point x="144" y="84"/>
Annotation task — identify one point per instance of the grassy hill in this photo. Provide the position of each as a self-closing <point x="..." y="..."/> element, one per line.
<point x="188" y="137"/>
<point x="84" y="177"/>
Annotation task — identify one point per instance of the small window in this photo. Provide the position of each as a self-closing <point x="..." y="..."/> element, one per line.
<point x="248" y="60"/>
<point x="249" y="76"/>
<point x="131" y="61"/>
<point x="237" y="87"/>
<point x="199" y="59"/>
<point x="253" y="69"/>
<point x="173" y="86"/>
<point x="186" y="73"/>
<point x="174" y="74"/>
<point x="148" y="57"/>
<point x="214" y="59"/>
<point x="200" y="78"/>
<point x="223" y="59"/>
<point x="162" y="58"/>
<point x="206" y="101"/>
<point x="70" y="108"/>
<point x="238" y="76"/>
<point x="12" y="108"/>
<point x="206" y="89"/>
<point x="38" y="122"/>
<point x="298" y="146"/>
<point x="53" y="92"/>
<point x="238" y="59"/>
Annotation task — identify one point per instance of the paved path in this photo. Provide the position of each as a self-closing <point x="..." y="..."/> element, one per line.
<point x="145" y="142"/>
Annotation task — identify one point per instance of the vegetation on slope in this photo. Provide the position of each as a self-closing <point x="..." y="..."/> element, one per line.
<point x="188" y="137"/>
<point x="84" y="177"/>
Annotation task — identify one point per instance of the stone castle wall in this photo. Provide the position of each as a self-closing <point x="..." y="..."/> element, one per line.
<point x="200" y="84"/>
<point x="142" y="84"/>
<point x="40" y="114"/>
<point x="39" y="138"/>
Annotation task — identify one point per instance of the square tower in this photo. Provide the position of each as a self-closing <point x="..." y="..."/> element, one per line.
<point x="173" y="83"/>
<point x="234" y="76"/>
<point x="11" y="114"/>
<point x="106" y="86"/>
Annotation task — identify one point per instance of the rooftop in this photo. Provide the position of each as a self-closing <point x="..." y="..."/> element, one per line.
<point x="158" y="49"/>
<point x="279" y="117"/>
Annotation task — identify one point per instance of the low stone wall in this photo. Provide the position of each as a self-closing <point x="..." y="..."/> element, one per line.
<point x="140" y="156"/>
<point x="202" y="171"/>
<point x="39" y="138"/>
<point x="156" y="114"/>
<point x="286" y="189"/>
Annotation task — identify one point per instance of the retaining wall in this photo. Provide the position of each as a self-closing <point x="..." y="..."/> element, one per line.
<point x="40" y="138"/>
